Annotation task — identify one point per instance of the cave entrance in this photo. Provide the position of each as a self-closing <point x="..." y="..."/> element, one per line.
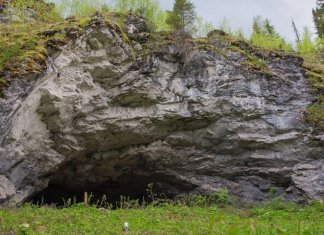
<point x="110" y="176"/>
<point x="132" y="187"/>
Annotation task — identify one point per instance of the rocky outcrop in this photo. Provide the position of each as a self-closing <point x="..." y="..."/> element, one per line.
<point x="109" y="118"/>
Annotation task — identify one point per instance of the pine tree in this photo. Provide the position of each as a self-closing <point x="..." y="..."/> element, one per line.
<point x="263" y="27"/>
<point x="269" y="28"/>
<point x="257" y="25"/>
<point x="318" y="16"/>
<point x="182" y="17"/>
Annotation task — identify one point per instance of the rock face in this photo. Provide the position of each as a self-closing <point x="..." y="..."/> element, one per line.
<point x="103" y="119"/>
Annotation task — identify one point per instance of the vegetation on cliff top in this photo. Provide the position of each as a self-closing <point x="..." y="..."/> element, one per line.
<point x="23" y="43"/>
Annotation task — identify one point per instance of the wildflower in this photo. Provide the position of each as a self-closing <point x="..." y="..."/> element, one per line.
<point x="24" y="225"/>
<point x="126" y="226"/>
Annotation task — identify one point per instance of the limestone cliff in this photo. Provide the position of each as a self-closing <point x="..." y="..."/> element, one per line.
<point x="113" y="113"/>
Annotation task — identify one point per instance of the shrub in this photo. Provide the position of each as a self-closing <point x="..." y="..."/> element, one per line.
<point x="221" y="197"/>
<point x="150" y="9"/>
<point x="270" y="42"/>
<point x="315" y="113"/>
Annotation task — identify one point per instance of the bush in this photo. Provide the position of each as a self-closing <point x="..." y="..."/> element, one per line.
<point x="315" y="113"/>
<point x="270" y="42"/>
<point x="280" y="204"/>
<point x="150" y="9"/>
<point x="221" y="197"/>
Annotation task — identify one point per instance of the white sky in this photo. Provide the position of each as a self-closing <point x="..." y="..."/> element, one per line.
<point x="240" y="13"/>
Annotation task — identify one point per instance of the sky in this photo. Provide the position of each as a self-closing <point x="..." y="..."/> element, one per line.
<point x="240" y="13"/>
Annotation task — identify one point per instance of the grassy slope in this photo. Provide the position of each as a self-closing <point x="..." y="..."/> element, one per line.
<point x="163" y="220"/>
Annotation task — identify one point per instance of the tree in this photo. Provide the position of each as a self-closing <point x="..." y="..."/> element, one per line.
<point x="225" y="26"/>
<point x="182" y="18"/>
<point x="318" y="17"/>
<point x="239" y="34"/>
<point x="202" y="28"/>
<point x="306" y="46"/>
<point x="297" y="34"/>
<point x="263" y="27"/>
<point x="269" y="29"/>
<point x="125" y="5"/>
<point x="257" y="25"/>
<point x="265" y="35"/>
<point x="150" y="9"/>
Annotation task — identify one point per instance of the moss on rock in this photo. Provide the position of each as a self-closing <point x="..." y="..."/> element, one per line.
<point x="315" y="112"/>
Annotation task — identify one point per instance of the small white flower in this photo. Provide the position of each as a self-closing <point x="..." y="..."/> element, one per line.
<point x="126" y="226"/>
<point x="24" y="225"/>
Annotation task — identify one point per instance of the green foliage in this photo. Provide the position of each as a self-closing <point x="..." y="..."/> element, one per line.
<point x="318" y="16"/>
<point x="239" y="34"/>
<point x="263" y="27"/>
<point x="78" y="8"/>
<point x="315" y="113"/>
<point x="39" y="9"/>
<point x="125" y="5"/>
<point x="153" y="13"/>
<point x="23" y="46"/>
<point x="264" y="35"/>
<point x="306" y="47"/>
<point x="202" y="28"/>
<point x="182" y="18"/>
<point x="257" y="25"/>
<point x="225" y="26"/>
<point x="221" y="197"/>
<point x="16" y="40"/>
<point x="277" y="204"/>
<point x="270" y="42"/>
<point x="150" y="9"/>
<point x="167" y="219"/>
<point x="313" y="53"/>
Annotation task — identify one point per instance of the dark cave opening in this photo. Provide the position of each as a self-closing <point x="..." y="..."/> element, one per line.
<point x="131" y="188"/>
<point x="59" y="196"/>
<point x="110" y="177"/>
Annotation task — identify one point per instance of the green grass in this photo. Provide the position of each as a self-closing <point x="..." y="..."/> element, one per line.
<point x="167" y="219"/>
<point x="22" y="48"/>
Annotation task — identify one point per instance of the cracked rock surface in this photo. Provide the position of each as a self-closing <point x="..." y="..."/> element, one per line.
<point x="112" y="122"/>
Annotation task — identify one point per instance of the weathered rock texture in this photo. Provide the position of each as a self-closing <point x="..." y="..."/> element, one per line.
<point x="107" y="120"/>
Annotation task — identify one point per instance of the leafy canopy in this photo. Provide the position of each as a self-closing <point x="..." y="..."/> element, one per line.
<point x="182" y="18"/>
<point x="202" y="28"/>
<point x="265" y="35"/>
<point x="150" y="9"/>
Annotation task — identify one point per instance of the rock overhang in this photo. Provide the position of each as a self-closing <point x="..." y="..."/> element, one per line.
<point x="114" y="120"/>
